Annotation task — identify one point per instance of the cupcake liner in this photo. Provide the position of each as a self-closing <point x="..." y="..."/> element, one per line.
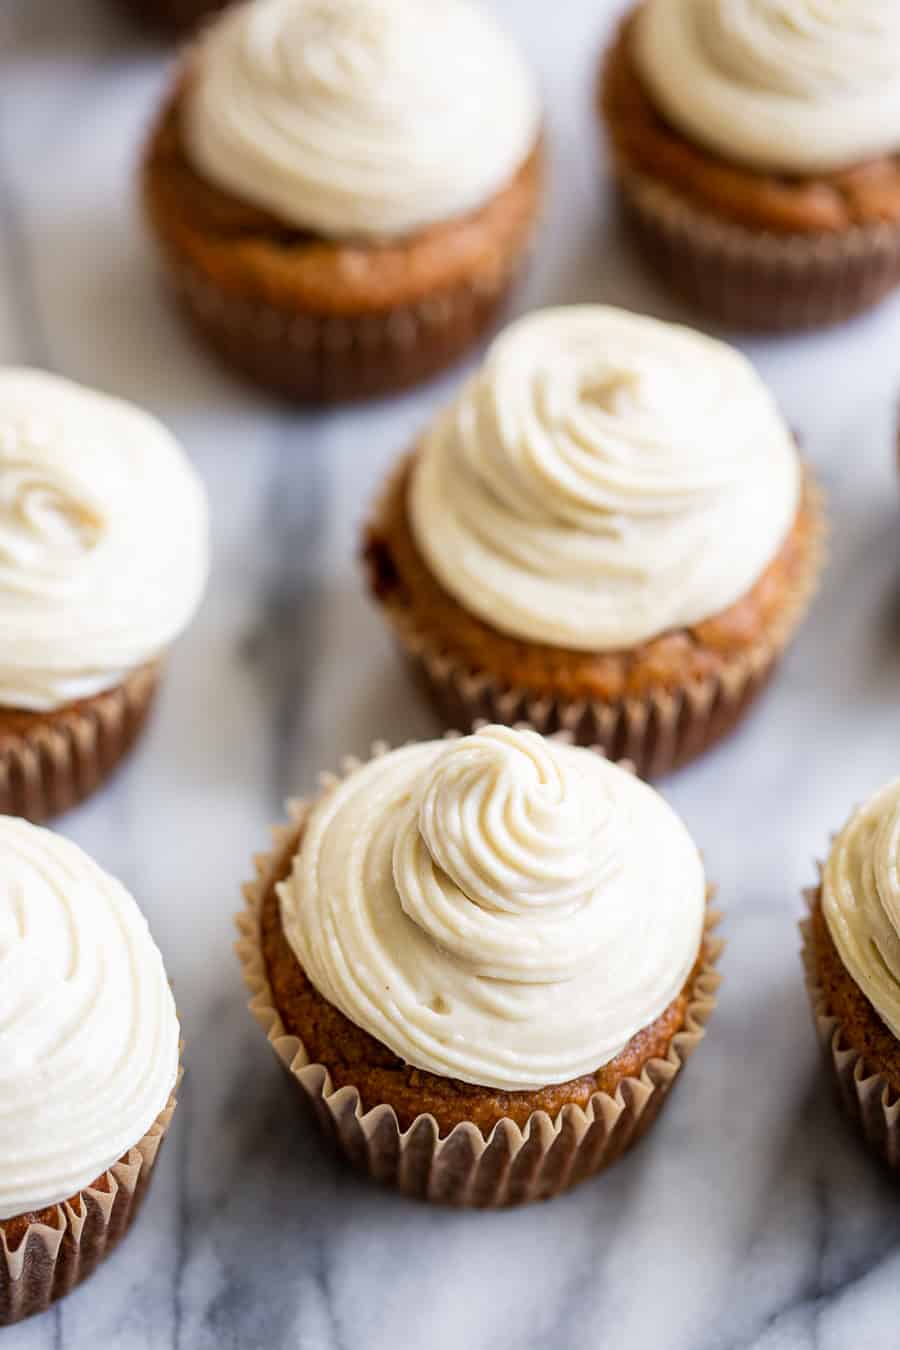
<point x="60" y="758"/>
<point x="50" y="1260"/>
<point x="319" y="358"/>
<point x="657" y="732"/>
<point x="513" y="1165"/>
<point x="866" y="1097"/>
<point x="753" y="280"/>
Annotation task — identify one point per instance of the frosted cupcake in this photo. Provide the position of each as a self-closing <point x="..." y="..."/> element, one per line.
<point x="343" y="190"/>
<point x="758" y="150"/>
<point x="103" y="560"/>
<point x="484" y="961"/>
<point x="851" y="951"/>
<point x="88" y="1065"/>
<point x="608" y="532"/>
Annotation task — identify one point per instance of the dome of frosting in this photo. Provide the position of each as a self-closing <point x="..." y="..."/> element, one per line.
<point x="501" y="908"/>
<point x="360" y="118"/>
<point x="88" y="1031"/>
<point x="603" y="478"/>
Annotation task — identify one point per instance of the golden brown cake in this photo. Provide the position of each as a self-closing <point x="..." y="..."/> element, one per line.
<point x="401" y="1044"/>
<point x="756" y="247"/>
<point x="322" y="292"/>
<point x="90" y="599"/>
<point x="89" y="1091"/>
<point x="437" y="553"/>
<point x="851" y="954"/>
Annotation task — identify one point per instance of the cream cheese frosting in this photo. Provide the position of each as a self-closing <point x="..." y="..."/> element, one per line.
<point x="88" y="1031"/>
<point x="360" y="118"/>
<point x="788" y="86"/>
<point x="861" y="901"/>
<point x="602" y="479"/>
<point x="500" y="909"/>
<point x="104" y="546"/>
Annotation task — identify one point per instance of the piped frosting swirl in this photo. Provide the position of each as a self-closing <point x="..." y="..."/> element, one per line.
<point x="790" y="86"/>
<point x="360" y="118"/>
<point x="602" y="479"/>
<point x="88" y="1031"/>
<point x="103" y="540"/>
<point x="499" y="909"/>
<point x="861" y="901"/>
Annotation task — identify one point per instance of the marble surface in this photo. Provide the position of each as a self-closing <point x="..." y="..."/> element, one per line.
<point x="751" y="1217"/>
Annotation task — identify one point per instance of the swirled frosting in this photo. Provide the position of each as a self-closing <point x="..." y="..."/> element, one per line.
<point x="790" y="86"/>
<point x="604" y="478"/>
<point x="498" y="909"/>
<point x="88" y="1032"/>
<point x="103" y="540"/>
<point x="861" y="901"/>
<point x="360" y="118"/>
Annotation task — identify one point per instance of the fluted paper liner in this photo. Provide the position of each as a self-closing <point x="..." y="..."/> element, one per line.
<point x="50" y="1261"/>
<point x="63" y="756"/>
<point x="866" y="1097"/>
<point x="754" y="280"/>
<point x="463" y="1168"/>
<point x="657" y="732"/>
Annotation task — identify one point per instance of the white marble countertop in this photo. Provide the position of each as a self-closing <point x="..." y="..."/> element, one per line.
<point x="752" y="1217"/>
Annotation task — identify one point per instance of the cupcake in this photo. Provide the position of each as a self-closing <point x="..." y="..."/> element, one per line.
<point x="483" y="961"/>
<point x="343" y="190"/>
<point x="89" y="1057"/>
<point x="758" y="153"/>
<point x="103" y="559"/>
<point x="851" y="951"/>
<point x="608" y="532"/>
<point x="173" y="16"/>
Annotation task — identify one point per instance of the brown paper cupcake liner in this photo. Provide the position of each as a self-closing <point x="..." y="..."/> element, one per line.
<point x="513" y="1165"/>
<point x="752" y="280"/>
<point x="319" y="358"/>
<point x="51" y="1259"/>
<point x="49" y="763"/>
<point x="658" y="732"/>
<point x="866" y="1097"/>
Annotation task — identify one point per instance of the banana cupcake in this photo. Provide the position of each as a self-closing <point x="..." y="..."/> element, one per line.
<point x="103" y="560"/>
<point x="343" y="190"/>
<point x="608" y="532"/>
<point x="757" y="149"/>
<point x="851" y="951"/>
<point x="483" y="961"/>
<point x="89" y="1052"/>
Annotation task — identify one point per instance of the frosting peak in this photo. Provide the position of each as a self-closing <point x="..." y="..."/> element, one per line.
<point x="360" y="118"/>
<point x="604" y="478"/>
<point x="88" y="1031"/>
<point x="500" y="909"/>
<point x="861" y="900"/>
<point x="103" y="540"/>
<point x="794" y="86"/>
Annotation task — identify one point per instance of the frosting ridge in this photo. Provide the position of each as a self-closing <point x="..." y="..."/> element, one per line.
<point x="103" y="540"/>
<point x="489" y="908"/>
<point x="335" y="115"/>
<point x="88" y="1031"/>
<point x="861" y="900"/>
<point x="790" y="86"/>
<point x="603" y="478"/>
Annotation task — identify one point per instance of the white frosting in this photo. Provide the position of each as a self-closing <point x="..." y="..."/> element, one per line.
<point x="103" y="540"/>
<point x="602" y="479"/>
<point x="861" y="901"/>
<point x="88" y="1032"/>
<point x="360" y="117"/>
<point x="498" y="909"/>
<point x="793" y="86"/>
